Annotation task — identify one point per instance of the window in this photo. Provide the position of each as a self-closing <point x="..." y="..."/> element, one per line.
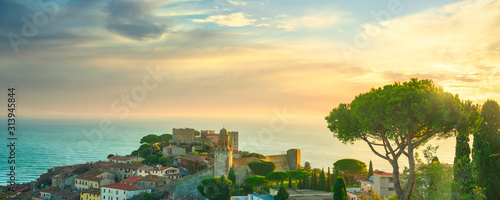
<point x="391" y="189"/>
<point x="103" y="197"/>
<point x="104" y="190"/>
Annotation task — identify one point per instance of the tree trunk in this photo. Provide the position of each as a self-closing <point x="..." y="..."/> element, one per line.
<point x="411" y="176"/>
<point x="397" y="183"/>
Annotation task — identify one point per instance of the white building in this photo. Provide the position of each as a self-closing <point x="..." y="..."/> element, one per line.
<point x="121" y="191"/>
<point x="383" y="183"/>
<point x="125" y="159"/>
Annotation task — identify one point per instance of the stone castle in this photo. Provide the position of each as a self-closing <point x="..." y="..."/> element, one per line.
<point x="187" y="136"/>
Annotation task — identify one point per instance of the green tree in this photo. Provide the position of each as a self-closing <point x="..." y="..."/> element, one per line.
<point x="298" y="174"/>
<point x="150" y="139"/>
<point x="328" y="181"/>
<point x="257" y="182"/>
<point x="486" y="144"/>
<point x="111" y="155"/>
<point x="276" y="177"/>
<point x="232" y="176"/>
<point x="370" y="170"/>
<point x="398" y="118"/>
<point x="145" y="152"/>
<point x="216" y="188"/>
<point x="322" y="181"/>
<point x="351" y="167"/>
<point x="465" y="182"/>
<point x="165" y="138"/>
<point x="307" y="165"/>
<point x="197" y="133"/>
<point x="262" y="168"/>
<point x="163" y="160"/>
<point x="314" y="181"/>
<point x="339" y="190"/>
<point x="433" y="179"/>
<point x="151" y="159"/>
<point x="289" y="181"/>
<point x="282" y="194"/>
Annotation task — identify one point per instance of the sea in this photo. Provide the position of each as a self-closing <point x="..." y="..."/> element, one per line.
<point x="46" y="142"/>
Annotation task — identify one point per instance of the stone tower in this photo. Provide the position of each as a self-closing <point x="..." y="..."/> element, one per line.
<point x="223" y="154"/>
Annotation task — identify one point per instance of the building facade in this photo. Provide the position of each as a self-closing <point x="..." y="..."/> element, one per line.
<point x="182" y="135"/>
<point x="121" y="191"/>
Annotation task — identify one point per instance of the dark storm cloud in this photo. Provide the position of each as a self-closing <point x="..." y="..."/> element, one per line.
<point x="134" y="19"/>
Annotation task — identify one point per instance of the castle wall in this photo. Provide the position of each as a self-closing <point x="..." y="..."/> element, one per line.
<point x="186" y="188"/>
<point x="286" y="162"/>
<point x="280" y="161"/>
<point x="183" y="135"/>
<point x="241" y="172"/>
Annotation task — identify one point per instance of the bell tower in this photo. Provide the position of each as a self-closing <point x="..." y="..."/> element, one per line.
<point x="223" y="154"/>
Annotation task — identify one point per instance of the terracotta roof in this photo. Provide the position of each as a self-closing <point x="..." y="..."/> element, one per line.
<point x="92" y="191"/>
<point x="107" y="164"/>
<point x="384" y="174"/>
<point x="236" y="151"/>
<point x="127" y="165"/>
<point x="123" y="186"/>
<point x="151" y="179"/>
<point x="245" y="160"/>
<point x="194" y="157"/>
<point x="122" y="158"/>
<point x="132" y="179"/>
<point x="145" y="168"/>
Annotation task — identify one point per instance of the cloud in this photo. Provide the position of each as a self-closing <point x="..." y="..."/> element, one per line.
<point x="234" y="20"/>
<point x="134" y="19"/>
<point x="308" y="22"/>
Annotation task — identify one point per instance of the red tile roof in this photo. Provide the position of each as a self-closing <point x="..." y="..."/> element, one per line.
<point x="122" y="158"/>
<point x="132" y="179"/>
<point x="384" y="174"/>
<point x="123" y="186"/>
<point x="107" y="164"/>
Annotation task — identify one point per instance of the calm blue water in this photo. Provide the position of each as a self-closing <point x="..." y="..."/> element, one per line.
<point x="47" y="142"/>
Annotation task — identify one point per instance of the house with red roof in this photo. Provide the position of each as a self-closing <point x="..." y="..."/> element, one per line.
<point x="131" y="180"/>
<point x="121" y="191"/>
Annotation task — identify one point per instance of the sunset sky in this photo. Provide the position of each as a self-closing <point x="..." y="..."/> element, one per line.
<point x="235" y="57"/>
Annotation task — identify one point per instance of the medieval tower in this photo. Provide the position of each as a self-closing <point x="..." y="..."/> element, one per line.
<point x="223" y="154"/>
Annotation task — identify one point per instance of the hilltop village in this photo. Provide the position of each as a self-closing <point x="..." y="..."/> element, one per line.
<point x="187" y="157"/>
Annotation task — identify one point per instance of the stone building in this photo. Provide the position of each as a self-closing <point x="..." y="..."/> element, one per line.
<point x="285" y="162"/>
<point x="233" y="137"/>
<point x="182" y="135"/>
<point x="223" y="154"/>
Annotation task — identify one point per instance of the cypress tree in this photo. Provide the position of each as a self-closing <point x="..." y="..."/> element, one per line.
<point x="232" y="176"/>
<point x="339" y="190"/>
<point x="486" y="144"/>
<point x="322" y="181"/>
<point x="282" y="194"/>
<point x="300" y="184"/>
<point x="370" y="170"/>
<point x="328" y="181"/>
<point x="314" y="183"/>
<point x="289" y="181"/>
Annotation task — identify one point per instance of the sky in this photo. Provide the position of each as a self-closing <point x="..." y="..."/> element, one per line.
<point x="236" y="57"/>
